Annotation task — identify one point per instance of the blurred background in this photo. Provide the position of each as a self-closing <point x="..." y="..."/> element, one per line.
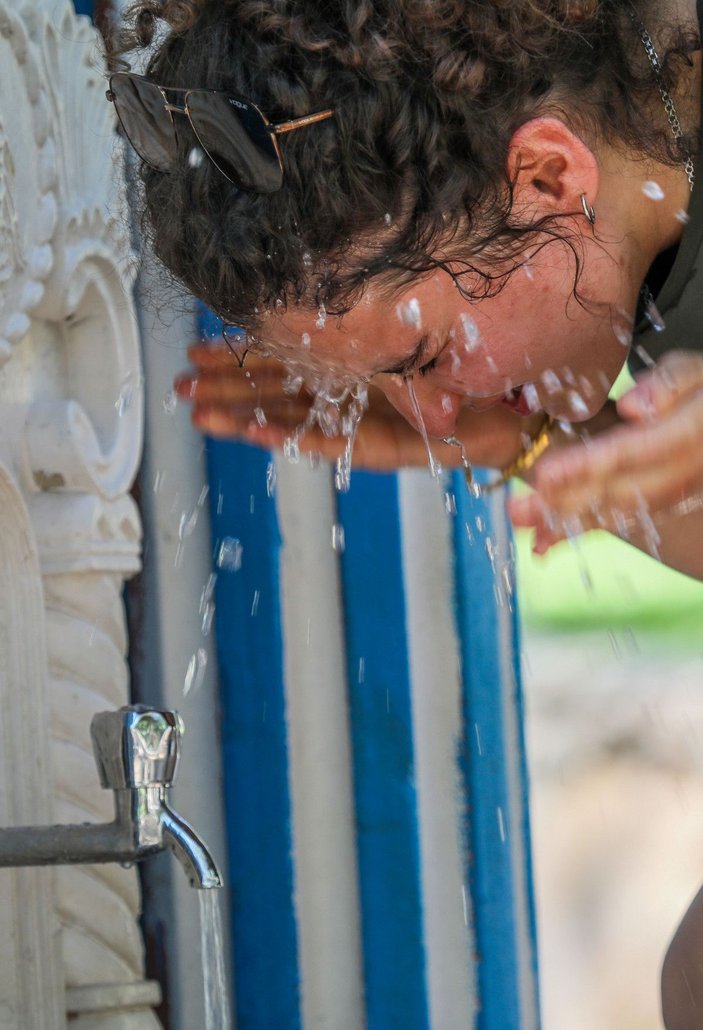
<point x="612" y="666"/>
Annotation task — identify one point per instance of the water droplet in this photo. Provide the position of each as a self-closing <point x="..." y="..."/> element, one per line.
<point x="653" y="315"/>
<point x="449" y="502"/>
<point x="530" y="396"/>
<point x="409" y="313"/>
<point x="362" y="670"/>
<point x="195" y="673"/>
<point x="188" y="522"/>
<point x="472" y="336"/>
<point x="260" y="416"/>
<point x="170" y="402"/>
<point x="305" y="340"/>
<point x="195" y="157"/>
<point x="206" y="620"/>
<point x="255" y="603"/>
<point x="491" y="363"/>
<point x="652" y="190"/>
<point x="682" y="216"/>
<point x="291" y="450"/>
<point x="644" y="357"/>
<point x="321" y="317"/>
<point x="203" y="495"/>
<point x="551" y="380"/>
<point x="387" y="218"/>
<point x="338" y="542"/>
<point x="229" y="554"/>
<point x="501" y="823"/>
<point x="158" y="481"/>
<point x="527" y="267"/>
<point x="578" y="404"/>
<point x="126" y="396"/>
<point x="271" y="476"/>
<point x="623" y="334"/>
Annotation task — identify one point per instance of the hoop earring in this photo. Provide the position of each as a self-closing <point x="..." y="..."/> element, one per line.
<point x="589" y="212"/>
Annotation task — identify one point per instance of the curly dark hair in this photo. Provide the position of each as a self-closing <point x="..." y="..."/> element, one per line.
<point x="410" y="174"/>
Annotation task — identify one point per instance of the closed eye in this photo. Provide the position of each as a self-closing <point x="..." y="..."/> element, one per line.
<point x="425" y="369"/>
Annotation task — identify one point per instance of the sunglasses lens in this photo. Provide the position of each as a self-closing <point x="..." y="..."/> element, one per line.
<point x="145" y="120"/>
<point x="235" y="137"/>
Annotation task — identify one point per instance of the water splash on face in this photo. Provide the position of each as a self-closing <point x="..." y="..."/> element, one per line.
<point x="472" y="335"/>
<point x="409" y="313"/>
<point x="435" y="467"/>
<point x="653" y="190"/>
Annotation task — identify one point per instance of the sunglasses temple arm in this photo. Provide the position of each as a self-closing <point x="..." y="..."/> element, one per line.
<point x="300" y="123"/>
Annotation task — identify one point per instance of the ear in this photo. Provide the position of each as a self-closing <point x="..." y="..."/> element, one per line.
<point x="551" y="168"/>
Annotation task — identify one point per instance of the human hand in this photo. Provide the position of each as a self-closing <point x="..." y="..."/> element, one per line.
<point x="642" y="465"/>
<point x="252" y="404"/>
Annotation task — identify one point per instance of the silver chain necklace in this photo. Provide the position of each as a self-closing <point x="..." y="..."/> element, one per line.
<point x="667" y="99"/>
<point x="646" y="296"/>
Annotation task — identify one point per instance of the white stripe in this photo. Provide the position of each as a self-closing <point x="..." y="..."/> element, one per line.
<point x="514" y="818"/>
<point x="324" y="846"/>
<point x="436" y="699"/>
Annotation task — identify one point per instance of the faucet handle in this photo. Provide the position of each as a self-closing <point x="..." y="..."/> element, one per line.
<point x="136" y="746"/>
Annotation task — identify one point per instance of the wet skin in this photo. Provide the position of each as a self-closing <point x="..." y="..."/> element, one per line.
<point x="474" y="354"/>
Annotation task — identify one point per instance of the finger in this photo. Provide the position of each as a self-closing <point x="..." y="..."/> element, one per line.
<point x="222" y="423"/>
<point x="210" y="387"/>
<point x="670" y="446"/>
<point x="678" y="375"/>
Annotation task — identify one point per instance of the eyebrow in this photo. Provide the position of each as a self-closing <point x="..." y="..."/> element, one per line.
<point x="407" y="364"/>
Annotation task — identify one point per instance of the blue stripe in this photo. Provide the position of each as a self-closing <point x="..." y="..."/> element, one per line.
<point x="255" y="749"/>
<point x="382" y="747"/>
<point x="484" y="759"/>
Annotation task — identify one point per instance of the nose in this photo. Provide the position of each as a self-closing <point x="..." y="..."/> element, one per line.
<point x="439" y="408"/>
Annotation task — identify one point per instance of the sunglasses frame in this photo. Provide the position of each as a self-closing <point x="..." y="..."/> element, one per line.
<point x="274" y="129"/>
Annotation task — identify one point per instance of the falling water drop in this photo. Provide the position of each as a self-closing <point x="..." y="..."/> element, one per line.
<point x="188" y="522"/>
<point x="195" y="673"/>
<point x="229" y="555"/>
<point x="338" y="542"/>
<point x="170" y="402"/>
<point x="653" y="314"/>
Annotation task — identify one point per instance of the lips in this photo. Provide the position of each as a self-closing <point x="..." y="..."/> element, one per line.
<point x="518" y="402"/>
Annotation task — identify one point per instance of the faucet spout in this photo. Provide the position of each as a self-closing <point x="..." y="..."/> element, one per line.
<point x="190" y="851"/>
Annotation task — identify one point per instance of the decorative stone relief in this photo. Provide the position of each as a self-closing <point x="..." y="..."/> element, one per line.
<point x="27" y="182"/>
<point x="70" y="439"/>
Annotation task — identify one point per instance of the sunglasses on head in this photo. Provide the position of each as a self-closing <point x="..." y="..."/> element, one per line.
<point x="238" y="139"/>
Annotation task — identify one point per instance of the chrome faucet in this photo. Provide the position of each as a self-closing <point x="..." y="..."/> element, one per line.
<point x="136" y="751"/>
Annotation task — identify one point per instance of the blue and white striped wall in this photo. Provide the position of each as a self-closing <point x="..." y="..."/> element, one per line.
<point x="374" y="764"/>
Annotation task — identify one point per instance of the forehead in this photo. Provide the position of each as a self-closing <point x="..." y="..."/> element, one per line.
<point x="377" y="333"/>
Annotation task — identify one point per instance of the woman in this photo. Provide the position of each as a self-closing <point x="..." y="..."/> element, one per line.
<point x="467" y="208"/>
<point x="468" y="222"/>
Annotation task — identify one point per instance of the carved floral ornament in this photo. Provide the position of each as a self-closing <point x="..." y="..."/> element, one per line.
<point x="65" y="258"/>
<point x="27" y="182"/>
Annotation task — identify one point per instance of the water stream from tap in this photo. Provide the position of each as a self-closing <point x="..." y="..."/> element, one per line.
<point x="217" y="1007"/>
